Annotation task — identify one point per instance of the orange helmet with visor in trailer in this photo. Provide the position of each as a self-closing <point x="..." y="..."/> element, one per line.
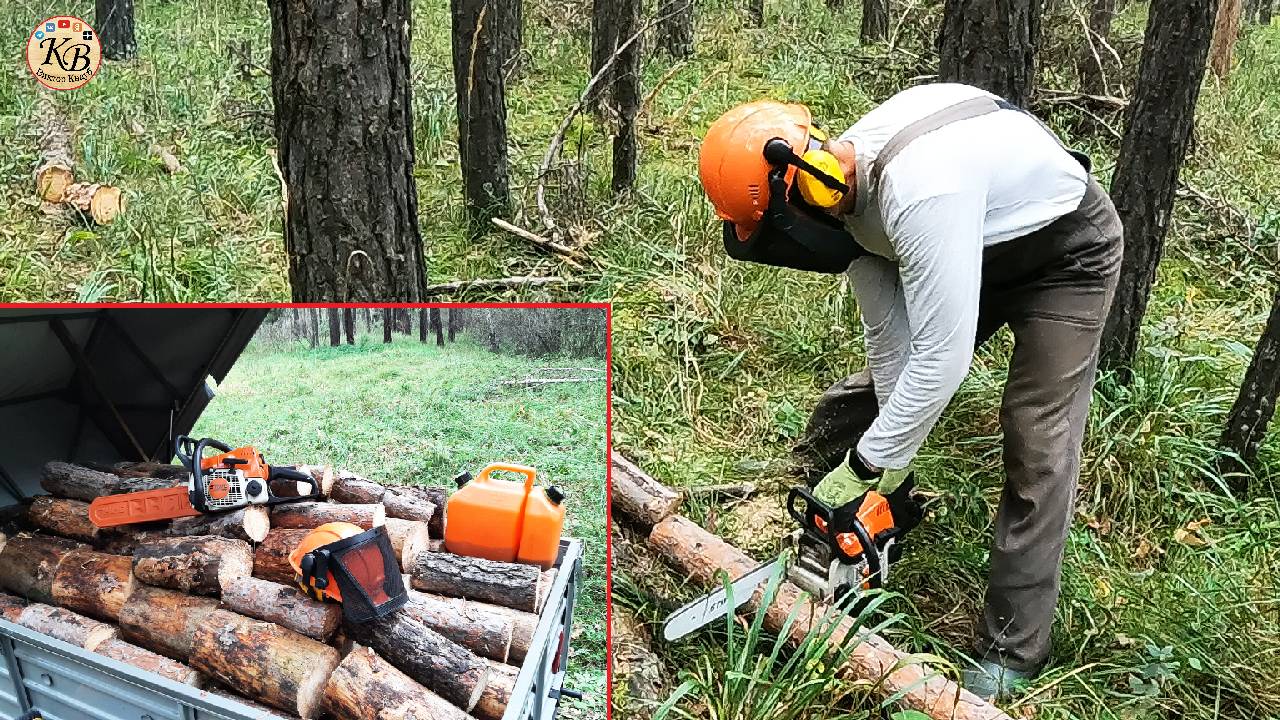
<point x="341" y="562"/>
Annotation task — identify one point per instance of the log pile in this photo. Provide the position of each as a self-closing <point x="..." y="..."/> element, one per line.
<point x="211" y="601"/>
<point x="701" y="555"/>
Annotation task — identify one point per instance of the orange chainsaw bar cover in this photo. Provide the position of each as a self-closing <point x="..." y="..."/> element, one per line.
<point x="143" y="506"/>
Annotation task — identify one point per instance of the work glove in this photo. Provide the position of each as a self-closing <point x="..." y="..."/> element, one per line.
<point x="852" y="478"/>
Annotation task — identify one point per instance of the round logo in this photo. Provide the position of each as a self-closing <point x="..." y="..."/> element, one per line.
<point x="219" y="488"/>
<point x="63" y="52"/>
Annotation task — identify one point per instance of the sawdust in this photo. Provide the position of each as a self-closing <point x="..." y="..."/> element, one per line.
<point x="758" y="525"/>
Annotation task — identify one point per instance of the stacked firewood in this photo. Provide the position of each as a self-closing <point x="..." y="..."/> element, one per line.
<point x="211" y="601"/>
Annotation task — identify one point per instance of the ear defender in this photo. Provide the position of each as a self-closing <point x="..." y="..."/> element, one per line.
<point x="815" y="191"/>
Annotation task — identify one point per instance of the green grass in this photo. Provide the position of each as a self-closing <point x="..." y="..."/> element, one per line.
<point x="411" y="413"/>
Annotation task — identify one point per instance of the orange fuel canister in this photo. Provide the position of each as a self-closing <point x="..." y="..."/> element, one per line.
<point x="543" y="523"/>
<point x="484" y="516"/>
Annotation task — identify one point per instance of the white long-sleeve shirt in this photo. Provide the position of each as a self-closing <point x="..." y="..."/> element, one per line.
<point x="946" y="195"/>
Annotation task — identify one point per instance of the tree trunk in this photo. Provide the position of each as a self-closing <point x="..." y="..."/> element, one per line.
<point x="1226" y="30"/>
<point x="311" y="514"/>
<point x="69" y="518"/>
<point x="335" y="328"/>
<point x="28" y="564"/>
<point x="386" y="325"/>
<point x="96" y="584"/>
<point x="675" y="27"/>
<point x="991" y="45"/>
<point x="455" y="323"/>
<point x="755" y="13"/>
<point x="1256" y="404"/>
<point x="131" y="654"/>
<point x="200" y="564"/>
<point x="1160" y="119"/>
<point x="604" y="40"/>
<point x="275" y="665"/>
<point x="344" y="123"/>
<point x="423" y="322"/>
<point x="164" y="620"/>
<point x="315" y="326"/>
<point x="442" y="665"/>
<point x="510" y="28"/>
<point x="284" y="605"/>
<point x="513" y="585"/>
<point x="482" y="106"/>
<point x="1265" y="8"/>
<point x="875" y="20"/>
<point x="486" y="633"/>
<point x="65" y="625"/>
<point x="1094" y="57"/>
<point x="113" y="19"/>
<point x="626" y="93"/>
<point x="366" y="687"/>
<point x="435" y="322"/>
<point x="271" y="556"/>
<point x="349" y="324"/>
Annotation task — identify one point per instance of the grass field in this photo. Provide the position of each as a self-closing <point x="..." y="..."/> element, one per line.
<point x="411" y="413"/>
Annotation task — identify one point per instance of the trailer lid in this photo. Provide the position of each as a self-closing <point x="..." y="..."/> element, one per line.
<point x="96" y="386"/>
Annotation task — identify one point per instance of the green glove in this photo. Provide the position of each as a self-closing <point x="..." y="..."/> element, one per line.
<point x="844" y="484"/>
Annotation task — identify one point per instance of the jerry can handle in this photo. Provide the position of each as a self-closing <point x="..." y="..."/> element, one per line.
<point x="529" y="473"/>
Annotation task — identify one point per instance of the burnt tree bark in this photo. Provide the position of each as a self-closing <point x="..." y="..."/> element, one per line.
<point x="455" y="323"/>
<point x="422" y="324"/>
<point x="1157" y="134"/>
<point x="510" y="27"/>
<point x="113" y="19"/>
<point x="482" y="105"/>
<point x="991" y="44"/>
<point x="1256" y="404"/>
<point x="314" y="328"/>
<point x="675" y="27"/>
<point x="435" y="323"/>
<point x="335" y="327"/>
<point x="1092" y="64"/>
<point x="386" y="325"/>
<point x="626" y="93"/>
<point x="604" y="41"/>
<point x="875" y="20"/>
<point x="343" y="119"/>
<point x="349" y="324"/>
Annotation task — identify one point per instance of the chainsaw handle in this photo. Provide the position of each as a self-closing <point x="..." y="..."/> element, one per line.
<point x="189" y="450"/>
<point x="292" y="474"/>
<point x="807" y="510"/>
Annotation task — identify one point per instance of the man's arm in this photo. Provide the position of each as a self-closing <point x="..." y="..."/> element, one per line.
<point x="938" y="240"/>
<point x="885" y="330"/>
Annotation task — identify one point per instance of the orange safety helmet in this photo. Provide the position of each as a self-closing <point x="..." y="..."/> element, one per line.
<point x="338" y="561"/>
<point x="322" y="586"/>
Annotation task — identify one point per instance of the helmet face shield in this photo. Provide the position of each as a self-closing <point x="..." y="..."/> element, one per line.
<point x="364" y="567"/>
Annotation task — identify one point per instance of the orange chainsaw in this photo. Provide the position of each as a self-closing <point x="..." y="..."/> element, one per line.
<point x="219" y="483"/>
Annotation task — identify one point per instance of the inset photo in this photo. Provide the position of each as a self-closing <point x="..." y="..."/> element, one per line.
<point x="353" y="513"/>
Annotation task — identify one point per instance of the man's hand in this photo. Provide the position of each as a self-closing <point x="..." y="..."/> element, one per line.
<point x="853" y="477"/>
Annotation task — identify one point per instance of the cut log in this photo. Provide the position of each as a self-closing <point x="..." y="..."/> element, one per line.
<point x="52" y="180"/>
<point x="310" y="514"/>
<point x="81" y="483"/>
<point x="164" y="620"/>
<point x="102" y="202"/>
<point x="700" y="554"/>
<point x="11" y="606"/>
<point x="437" y="496"/>
<point x="131" y="654"/>
<point x="271" y="557"/>
<point x="366" y="687"/>
<point x="164" y="471"/>
<point x="408" y="538"/>
<point x="483" y="632"/>
<point x="323" y="474"/>
<point x="497" y="693"/>
<point x="638" y="497"/>
<point x="353" y="489"/>
<point x="65" y="625"/>
<point x="544" y="587"/>
<point x="96" y="584"/>
<point x="408" y="506"/>
<point x="201" y="564"/>
<point x="69" y="518"/>
<point x="523" y="624"/>
<point x="273" y="664"/>
<point x="510" y="584"/>
<point x="454" y="672"/>
<point x="250" y="524"/>
<point x="54" y="173"/>
<point x="264" y="712"/>
<point x="28" y="563"/>
<point x="284" y="605"/>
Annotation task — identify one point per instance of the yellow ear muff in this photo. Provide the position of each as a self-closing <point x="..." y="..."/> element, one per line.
<point x="811" y="188"/>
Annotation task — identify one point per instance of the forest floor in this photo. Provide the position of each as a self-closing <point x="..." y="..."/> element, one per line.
<point x="414" y="413"/>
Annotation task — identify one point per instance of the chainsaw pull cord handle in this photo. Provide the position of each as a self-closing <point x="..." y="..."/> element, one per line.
<point x="838" y="521"/>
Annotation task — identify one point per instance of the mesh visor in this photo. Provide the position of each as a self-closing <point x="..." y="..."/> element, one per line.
<point x="368" y="576"/>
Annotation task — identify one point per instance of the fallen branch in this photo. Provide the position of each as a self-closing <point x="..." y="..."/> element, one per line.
<point x="530" y="382"/>
<point x="566" y="253"/>
<point x="508" y="283"/>
<point x="638" y="496"/>
<point x="55" y="172"/>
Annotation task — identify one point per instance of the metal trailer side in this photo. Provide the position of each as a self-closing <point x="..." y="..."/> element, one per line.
<point x="66" y="682"/>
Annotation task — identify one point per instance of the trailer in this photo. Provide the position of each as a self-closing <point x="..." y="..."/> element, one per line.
<point x="59" y="369"/>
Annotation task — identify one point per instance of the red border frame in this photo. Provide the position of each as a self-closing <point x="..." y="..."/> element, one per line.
<point x="96" y="39"/>
<point x="608" y="421"/>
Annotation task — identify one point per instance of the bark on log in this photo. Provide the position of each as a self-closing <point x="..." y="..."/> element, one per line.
<point x="510" y="584"/>
<point x="452" y="671"/>
<point x="273" y="664"/>
<point x="139" y="657"/>
<point x="639" y="497"/>
<point x="311" y="515"/>
<point x="523" y="624"/>
<point x="65" y="625"/>
<point x="408" y="538"/>
<point x="497" y="693"/>
<point x="159" y="471"/>
<point x="271" y="557"/>
<point x="483" y="632"/>
<point x="55" y="169"/>
<point x="164" y="620"/>
<point x="250" y="524"/>
<point x="11" y="606"/>
<point x="284" y="605"/>
<point x="201" y="564"/>
<point x="103" y="203"/>
<point x="408" y="506"/>
<point x="699" y="554"/>
<point x="96" y="584"/>
<point x="355" y="490"/>
<point x="68" y="518"/>
<point x="366" y="687"/>
<point x="437" y="496"/>
<point x="76" y="482"/>
<point x="28" y="563"/>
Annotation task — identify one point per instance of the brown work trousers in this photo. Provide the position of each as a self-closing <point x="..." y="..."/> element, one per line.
<point x="1053" y="289"/>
